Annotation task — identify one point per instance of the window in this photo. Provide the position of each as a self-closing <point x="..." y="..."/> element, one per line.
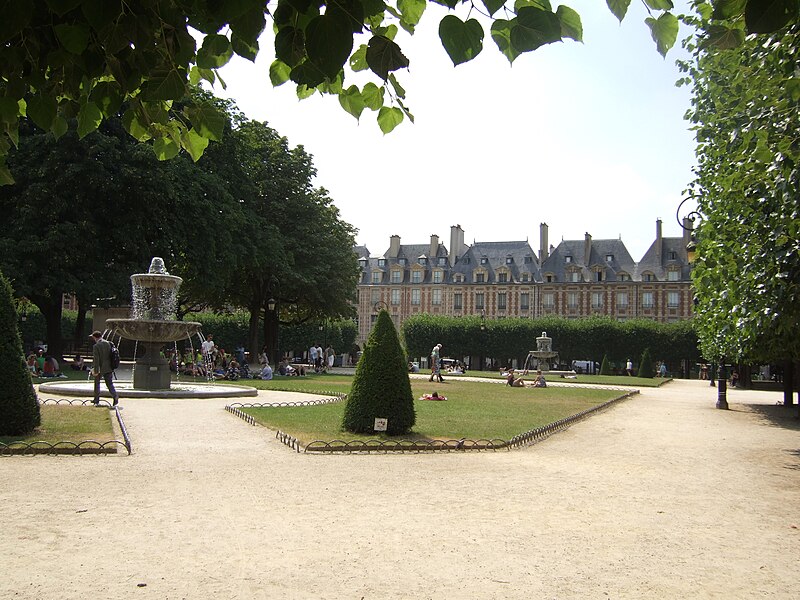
<point x="484" y="260"/>
<point x="647" y="300"/>
<point x="438" y="276"/>
<point x="509" y="260"/>
<point x="416" y="276"/>
<point x="465" y="260"/>
<point x="568" y="259"/>
<point x="479" y="278"/>
<point x="673" y="299"/>
<point x="572" y="300"/>
<point x="528" y="260"/>
<point x="622" y="299"/>
<point x="502" y="278"/>
<point x="362" y="262"/>
<point x="525" y="278"/>
<point x="575" y="276"/>
<point x="597" y="299"/>
<point x="623" y="277"/>
<point x="673" y="275"/>
<point x="458" y="301"/>
<point x="436" y="296"/>
<point x="401" y="261"/>
<point x="672" y="255"/>
<point x="548" y="300"/>
<point x="442" y="261"/>
<point x="381" y="262"/>
<point x="549" y="278"/>
<point x="395" y="297"/>
<point x="648" y="277"/>
<point x="415" y="296"/>
<point x="458" y="278"/>
<point x="609" y="258"/>
<point x="525" y="301"/>
<point x="423" y="260"/>
<point x="501" y="301"/>
<point x="598" y="275"/>
<point x="397" y="276"/>
<point x="376" y="276"/>
<point x="479" y="303"/>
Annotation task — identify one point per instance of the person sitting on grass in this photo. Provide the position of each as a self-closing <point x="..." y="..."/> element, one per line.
<point x="540" y="381"/>
<point x="232" y="374"/>
<point x="515" y="381"/>
<point x="78" y="364"/>
<point x="266" y="372"/>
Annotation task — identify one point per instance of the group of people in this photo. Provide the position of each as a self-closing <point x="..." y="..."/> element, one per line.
<point x="514" y="381"/>
<point x="322" y="360"/>
<point x="43" y="365"/>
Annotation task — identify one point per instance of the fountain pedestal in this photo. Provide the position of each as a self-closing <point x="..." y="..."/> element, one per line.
<point x="151" y="371"/>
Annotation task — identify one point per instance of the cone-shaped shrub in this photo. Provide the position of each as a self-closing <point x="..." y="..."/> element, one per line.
<point x="605" y="368"/>
<point x="381" y="388"/>
<point x="19" y="407"/>
<point x="646" y="368"/>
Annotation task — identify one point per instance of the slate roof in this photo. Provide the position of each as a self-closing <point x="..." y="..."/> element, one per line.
<point x="621" y="261"/>
<point x="669" y="247"/>
<point x="496" y="255"/>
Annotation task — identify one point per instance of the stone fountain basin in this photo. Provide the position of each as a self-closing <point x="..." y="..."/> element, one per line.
<point x="153" y="331"/>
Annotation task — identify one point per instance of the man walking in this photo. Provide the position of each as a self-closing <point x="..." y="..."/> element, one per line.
<point x="101" y="367"/>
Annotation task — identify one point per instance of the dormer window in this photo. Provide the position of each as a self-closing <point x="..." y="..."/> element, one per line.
<point x="362" y="262"/>
<point x="442" y="261"/>
<point x="549" y="278"/>
<point x="609" y="257"/>
<point x="525" y="278"/>
<point x="401" y="261"/>
<point x="623" y="277"/>
<point x="509" y="260"/>
<point x="673" y="275"/>
<point x="502" y="278"/>
<point x="672" y="255"/>
<point x="381" y="262"/>
<point x="648" y="277"/>
<point x="568" y="259"/>
<point x="423" y="260"/>
<point x="416" y="276"/>
<point x="480" y="278"/>
<point x="528" y="260"/>
<point x="484" y="260"/>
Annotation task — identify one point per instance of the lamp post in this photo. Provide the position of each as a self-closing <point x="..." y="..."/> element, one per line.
<point x="483" y="341"/>
<point x="722" y="386"/>
<point x="273" y="346"/>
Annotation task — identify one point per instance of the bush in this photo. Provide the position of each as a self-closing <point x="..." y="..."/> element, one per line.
<point x="646" y="368"/>
<point x="19" y="407"/>
<point x="605" y="368"/>
<point x="381" y="388"/>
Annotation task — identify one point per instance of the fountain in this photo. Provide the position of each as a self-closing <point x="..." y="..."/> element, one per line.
<point x="543" y="353"/>
<point x="153" y="324"/>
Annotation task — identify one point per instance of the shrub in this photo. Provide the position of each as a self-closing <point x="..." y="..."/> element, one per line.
<point x="605" y="368"/>
<point x="381" y="388"/>
<point x="646" y="368"/>
<point x="19" y="407"/>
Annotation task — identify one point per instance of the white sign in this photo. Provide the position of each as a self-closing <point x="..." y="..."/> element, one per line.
<point x="381" y="424"/>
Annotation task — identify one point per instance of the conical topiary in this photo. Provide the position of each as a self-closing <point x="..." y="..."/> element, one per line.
<point x="646" y="368"/>
<point x="605" y="368"/>
<point x="19" y="407"/>
<point x="381" y="388"/>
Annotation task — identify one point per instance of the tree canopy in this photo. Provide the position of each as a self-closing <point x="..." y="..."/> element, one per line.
<point x="746" y="111"/>
<point x="82" y="60"/>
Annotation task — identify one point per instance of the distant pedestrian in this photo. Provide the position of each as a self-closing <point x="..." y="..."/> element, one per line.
<point x="629" y="367"/>
<point x="101" y="367"/>
<point x="436" y="371"/>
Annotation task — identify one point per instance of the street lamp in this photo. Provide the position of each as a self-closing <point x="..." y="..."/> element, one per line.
<point x="273" y="349"/>
<point x="483" y="320"/>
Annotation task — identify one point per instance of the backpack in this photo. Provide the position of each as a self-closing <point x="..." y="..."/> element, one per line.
<point x="114" y="352"/>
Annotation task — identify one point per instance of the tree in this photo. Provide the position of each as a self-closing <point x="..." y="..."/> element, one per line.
<point x="381" y="388"/>
<point x="108" y="206"/>
<point x="605" y="367"/>
<point x="746" y="110"/>
<point x="65" y="59"/>
<point x="646" y="367"/>
<point x="19" y="407"/>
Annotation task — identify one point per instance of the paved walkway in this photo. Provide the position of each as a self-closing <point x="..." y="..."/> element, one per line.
<point x="662" y="496"/>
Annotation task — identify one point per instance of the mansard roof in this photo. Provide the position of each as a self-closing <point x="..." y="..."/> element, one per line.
<point x="496" y="255"/>
<point x="413" y="252"/>
<point x="659" y="266"/>
<point x="621" y="261"/>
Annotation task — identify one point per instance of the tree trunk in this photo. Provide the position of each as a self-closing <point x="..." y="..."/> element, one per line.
<point x="788" y="383"/>
<point x="271" y="334"/>
<point x="252" y="331"/>
<point x="50" y="307"/>
<point x="78" y="338"/>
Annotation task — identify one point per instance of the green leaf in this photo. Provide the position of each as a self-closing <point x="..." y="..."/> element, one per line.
<point x="793" y="89"/>
<point x="619" y="8"/>
<point x="249" y="26"/>
<point x="724" y="38"/>
<point x="279" y="72"/>
<point x="164" y="85"/>
<point x="571" y="26"/>
<point x="42" y="109"/>
<point x="329" y="42"/>
<point x="728" y="9"/>
<point x="389" y="118"/>
<point x="358" y="59"/>
<point x="492" y="6"/>
<point x="89" y="119"/>
<point x="501" y="34"/>
<point x="705" y="10"/>
<point x="215" y="52"/>
<point x="194" y="143"/>
<point x="290" y="45"/>
<point x="767" y="16"/>
<point x="352" y="101"/>
<point x="535" y="28"/>
<point x="5" y="175"/>
<point x="59" y="126"/>
<point x="660" y="4"/>
<point x="462" y="41"/>
<point x="61" y="7"/>
<point x="307" y="74"/>
<point x="244" y="48"/>
<point x="166" y="148"/>
<point x="208" y="121"/>
<point x="303" y="91"/>
<point x="101" y="13"/>
<point x="137" y="130"/>
<point x="384" y="56"/>
<point x="74" y="38"/>
<point x="16" y="16"/>
<point x="351" y="11"/>
<point x="399" y="91"/>
<point x="411" y="12"/>
<point x="542" y="4"/>
<point x="664" y="31"/>
<point x="106" y="95"/>
<point x="373" y="96"/>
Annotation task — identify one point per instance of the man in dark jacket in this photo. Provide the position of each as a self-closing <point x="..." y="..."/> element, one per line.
<point x="101" y="367"/>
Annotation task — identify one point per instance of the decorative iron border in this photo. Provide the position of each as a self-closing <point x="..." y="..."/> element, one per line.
<point x="335" y="397"/>
<point x="241" y="414"/>
<point x="416" y="446"/>
<point x="82" y="448"/>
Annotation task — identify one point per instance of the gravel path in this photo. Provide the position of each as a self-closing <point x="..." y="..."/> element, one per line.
<point x="662" y="496"/>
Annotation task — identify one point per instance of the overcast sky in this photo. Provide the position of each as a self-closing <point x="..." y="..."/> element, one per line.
<point x="585" y="137"/>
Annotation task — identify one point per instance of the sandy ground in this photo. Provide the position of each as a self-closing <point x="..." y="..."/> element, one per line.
<point x="662" y="496"/>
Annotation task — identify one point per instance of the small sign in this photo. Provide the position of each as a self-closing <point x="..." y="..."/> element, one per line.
<point x="381" y="424"/>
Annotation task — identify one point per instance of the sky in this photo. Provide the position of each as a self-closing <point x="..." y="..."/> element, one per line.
<point x="586" y="137"/>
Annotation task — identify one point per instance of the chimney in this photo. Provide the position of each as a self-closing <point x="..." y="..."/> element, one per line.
<point x="659" y="241"/>
<point x="456" y="243"/>
<point x="394" y="246"/>
<point x="688" y="229"/>
<point x="543" y="254"/>
<point x="587" y="250"/>
<point x="434" y="248"/>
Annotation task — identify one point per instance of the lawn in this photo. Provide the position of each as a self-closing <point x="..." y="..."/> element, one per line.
<point x="474" y="410"/>
<point x="61" y="422"/>
<point x="593" y="379"/>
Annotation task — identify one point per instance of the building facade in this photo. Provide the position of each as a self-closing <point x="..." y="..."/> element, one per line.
<point x="578" y="278"/>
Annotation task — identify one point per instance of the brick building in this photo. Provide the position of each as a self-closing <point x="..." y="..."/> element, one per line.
<point x="578" y="278"/>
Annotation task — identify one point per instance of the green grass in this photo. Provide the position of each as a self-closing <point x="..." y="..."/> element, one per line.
<point x="589" y="379"/>
<point x="68" y="423"/>
<point x="473" y="410"/>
